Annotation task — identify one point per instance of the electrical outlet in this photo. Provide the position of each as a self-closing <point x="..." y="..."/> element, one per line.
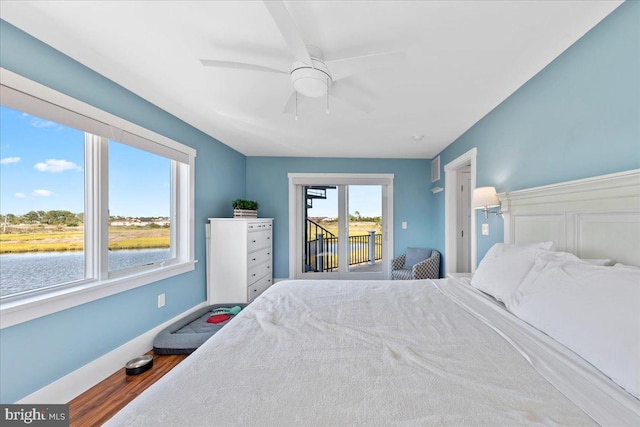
<point x="404" y="225"/>
<point x="485" y="229"/>
<point x="161" y="300"/>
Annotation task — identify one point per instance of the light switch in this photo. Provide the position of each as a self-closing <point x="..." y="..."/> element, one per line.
<point x="161" y="300"/>
<point x="404" y="225"/>
<point x="485" y="229"/>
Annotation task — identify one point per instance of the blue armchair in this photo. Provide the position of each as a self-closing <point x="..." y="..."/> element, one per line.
<point x="416" y="263"/>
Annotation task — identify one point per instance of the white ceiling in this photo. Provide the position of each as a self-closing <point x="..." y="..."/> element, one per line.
<point x="461" y="59"/>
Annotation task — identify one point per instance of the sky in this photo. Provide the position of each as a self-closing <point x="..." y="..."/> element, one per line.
<point x="42" y="168"/>
<point x="365" y="199"/>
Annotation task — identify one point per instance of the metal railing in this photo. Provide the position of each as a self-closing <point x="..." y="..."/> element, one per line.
<point x="321" y="249"/>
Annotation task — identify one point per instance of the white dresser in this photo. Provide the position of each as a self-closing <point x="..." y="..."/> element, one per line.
<point x="239" y="259"/>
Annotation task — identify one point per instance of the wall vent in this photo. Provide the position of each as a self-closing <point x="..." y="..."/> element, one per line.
<point x="435" y="169"/>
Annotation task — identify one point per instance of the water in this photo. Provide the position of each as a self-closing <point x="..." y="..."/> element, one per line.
<point x="28" y="271"/>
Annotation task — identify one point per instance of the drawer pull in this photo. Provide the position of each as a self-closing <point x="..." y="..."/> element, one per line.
<point x="253" y="259"/>
<point x="253" y="275"/>
<point x="253" y="241"/>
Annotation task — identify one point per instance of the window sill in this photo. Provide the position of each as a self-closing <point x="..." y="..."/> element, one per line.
<point x="19" y="310"/>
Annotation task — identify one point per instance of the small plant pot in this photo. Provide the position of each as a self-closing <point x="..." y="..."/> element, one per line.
<point x="245" y="213"/>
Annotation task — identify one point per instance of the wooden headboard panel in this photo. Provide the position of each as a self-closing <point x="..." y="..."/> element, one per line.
<point x="592" y="218"/>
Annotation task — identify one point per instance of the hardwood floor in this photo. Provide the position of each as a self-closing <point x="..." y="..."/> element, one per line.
<point x="98" y="404"/>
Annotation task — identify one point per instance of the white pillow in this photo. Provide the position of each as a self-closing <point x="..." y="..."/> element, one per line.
<point x="592" y="310"/>
<point x="619" y="265"/>
<point x="504" y="266"/>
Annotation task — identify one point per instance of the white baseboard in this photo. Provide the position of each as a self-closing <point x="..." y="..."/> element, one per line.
<point x="82" y="379"/>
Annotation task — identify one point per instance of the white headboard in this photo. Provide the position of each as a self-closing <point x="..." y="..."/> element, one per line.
<point x="596" y="217"/>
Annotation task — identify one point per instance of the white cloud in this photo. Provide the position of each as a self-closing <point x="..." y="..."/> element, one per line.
<point x="20" y="195"/>
<point x="38" y="122"/>
<point x="55" y="165"/>
<point x="9" y="160"/>
<point x="42" y="193"/>
<point x="41" y="123"/>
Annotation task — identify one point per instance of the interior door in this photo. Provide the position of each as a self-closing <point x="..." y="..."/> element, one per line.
<point x="464" y="221"/>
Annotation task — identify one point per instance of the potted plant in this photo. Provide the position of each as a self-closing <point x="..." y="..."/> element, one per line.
<point x="245" y="208"/>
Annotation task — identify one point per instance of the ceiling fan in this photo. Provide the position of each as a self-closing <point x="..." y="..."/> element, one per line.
<point x="312" y="76"/>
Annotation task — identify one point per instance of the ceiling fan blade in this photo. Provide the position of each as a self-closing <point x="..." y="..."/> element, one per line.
<point x="239" y="66"/>
<point x="352" y="97"/>
<point x="289" y="30"/>
<point x="341" y="68"/>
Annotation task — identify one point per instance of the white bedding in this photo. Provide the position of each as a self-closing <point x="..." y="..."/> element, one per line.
<point x="373" y="353"/>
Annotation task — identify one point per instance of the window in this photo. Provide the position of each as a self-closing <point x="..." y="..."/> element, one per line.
<point x="41" y="203"/>
<point x="91" y="205"/>
<point x="139" y="207"/>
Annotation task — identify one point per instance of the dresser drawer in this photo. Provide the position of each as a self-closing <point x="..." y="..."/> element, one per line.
<point x="259" y="287"/>
<point x="258" y="240"/>
<point x="258" y="271"/>
<point x="258" y="257"/>
<point x="266" y="225"/>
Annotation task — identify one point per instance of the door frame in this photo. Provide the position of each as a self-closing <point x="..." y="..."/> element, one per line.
<point x="298" y="180"/>
<point x="451" y="209"/>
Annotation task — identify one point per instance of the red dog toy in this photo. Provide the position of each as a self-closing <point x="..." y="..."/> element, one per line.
<point x="218" y="318"/>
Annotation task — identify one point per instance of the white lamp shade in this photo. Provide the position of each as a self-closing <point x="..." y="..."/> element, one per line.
<point x="484" y="197"/>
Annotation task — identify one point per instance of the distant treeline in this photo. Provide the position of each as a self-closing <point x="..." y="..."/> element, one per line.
<point x="352" y="217"/>
<point x="54" y="217"/>
<point x="357" y="217"/>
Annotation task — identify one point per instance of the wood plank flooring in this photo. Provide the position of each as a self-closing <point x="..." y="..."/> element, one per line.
<point x="101" y="402"/>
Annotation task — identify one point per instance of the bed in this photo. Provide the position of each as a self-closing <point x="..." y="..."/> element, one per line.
<point x="480" y="351"/>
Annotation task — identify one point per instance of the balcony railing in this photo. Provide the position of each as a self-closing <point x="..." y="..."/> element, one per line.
<point x="321" y="249"/>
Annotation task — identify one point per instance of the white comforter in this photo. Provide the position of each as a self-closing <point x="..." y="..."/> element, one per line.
<point x="332" y="353"/>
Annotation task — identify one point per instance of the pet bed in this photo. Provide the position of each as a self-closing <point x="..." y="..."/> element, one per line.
<point x="187" y="334"/>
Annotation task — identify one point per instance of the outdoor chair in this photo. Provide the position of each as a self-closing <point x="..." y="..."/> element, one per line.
<point x="415" y="264"/>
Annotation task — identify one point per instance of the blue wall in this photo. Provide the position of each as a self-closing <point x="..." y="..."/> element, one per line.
<point x="579" y="117"/>
<point x="35" y="353"/>
<point x="267" y="183"/>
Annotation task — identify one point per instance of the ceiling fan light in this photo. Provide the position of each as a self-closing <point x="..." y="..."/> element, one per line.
<point x="311" y="82"/>
<point x="311" y="87"/>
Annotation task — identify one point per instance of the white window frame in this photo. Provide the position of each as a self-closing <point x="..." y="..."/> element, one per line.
<point x="28" y="96"/>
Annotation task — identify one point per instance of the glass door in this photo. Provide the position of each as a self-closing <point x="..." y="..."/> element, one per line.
<point x="364" y="228"/>
<point x="342" y="231"/>
<point x="321" y="229"/>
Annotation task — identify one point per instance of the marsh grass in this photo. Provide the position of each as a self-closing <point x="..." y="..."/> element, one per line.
<point x="141" y="243"/>
<point x="57" y="239"/>
<point x="356" y="228"/>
